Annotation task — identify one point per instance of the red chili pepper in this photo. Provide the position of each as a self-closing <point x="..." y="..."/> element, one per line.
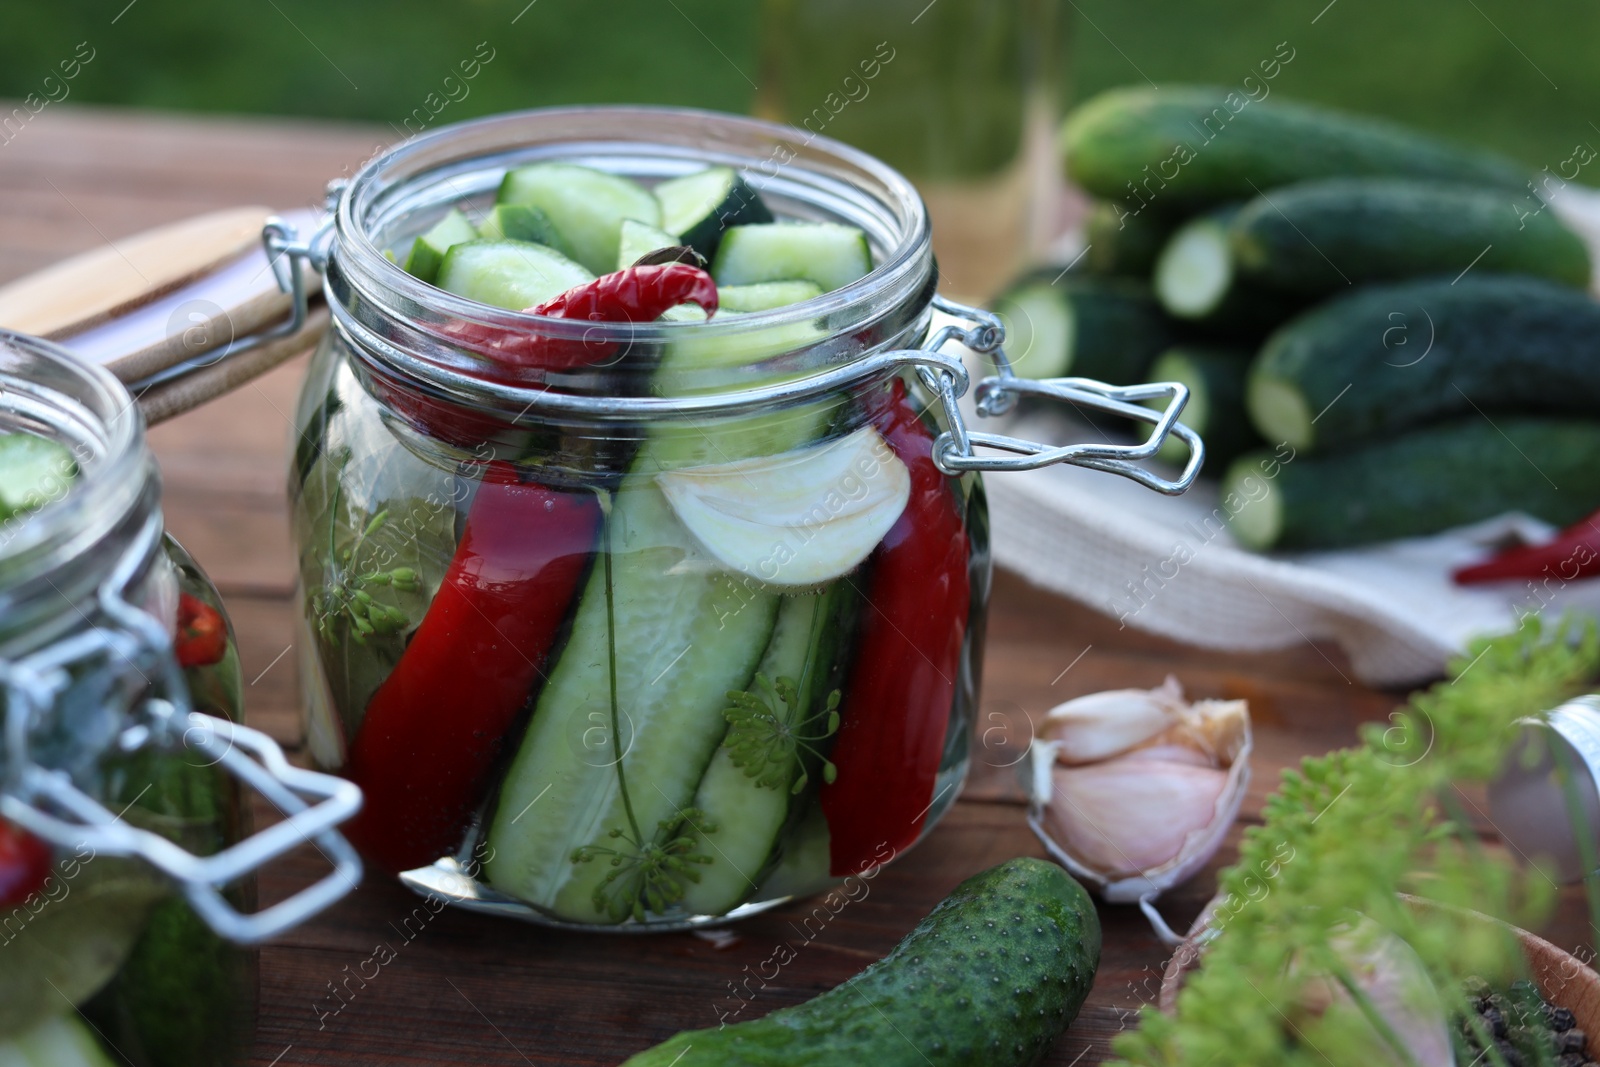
<point x="897" y="698"/>
<point x="25" y="864"/>
<point x="202" y="633"/>
<point x="434" y="727"/>
<point x="633" y="294"/>
<point x="1573" y="553"/>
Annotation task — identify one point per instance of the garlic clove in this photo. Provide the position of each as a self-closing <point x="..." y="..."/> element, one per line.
<point x="1091" y="728"/>
<point x="1126" y="817"/>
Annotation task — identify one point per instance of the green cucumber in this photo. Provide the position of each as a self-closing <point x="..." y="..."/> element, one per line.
<point x="586" y="207"/>
<point x="1215" y="411"/>
<point x="1124" y="239"/>
<point x="992" y="976"/>
<point x="1197" y="281"/>
<point x="681" y="633"/>
<point x="514" y="275"/>
<point x="805" y="866"/>
<point x="1088" y="327"/>
<point x="750" y="802"/>
<point x="34" y="471"/>
<point x="698" y="208"/>
<point x="764" y="296"/>
<point x="62" y="1040"/>
<point x="638" y="239"/>
<point x="829" y="254"/>
<point x="428" y="250"/>
<point x="519" y="222"/>
<point x="1191" y="146"/>
<point x="1386" y="358"/>
<point x="1419" y="483"/>
<point x="1322" y="237"/>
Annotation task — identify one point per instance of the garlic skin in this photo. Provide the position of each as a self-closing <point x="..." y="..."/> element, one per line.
<point x="1134" y="790"/>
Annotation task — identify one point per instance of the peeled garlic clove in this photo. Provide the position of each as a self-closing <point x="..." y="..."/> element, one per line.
<point x="1101" y="725"/>
<point x="1126" y="817"/>
<point x="798" y="518"/>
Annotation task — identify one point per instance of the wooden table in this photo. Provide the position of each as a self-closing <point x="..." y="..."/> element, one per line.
<point x="464" y="989"/>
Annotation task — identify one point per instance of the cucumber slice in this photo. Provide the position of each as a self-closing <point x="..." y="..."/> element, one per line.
<point x="34" y="470"/>
<point x="519" y="222"/>
<point x="749" y="802"/>
<point x="765" y="296"/>
<point x="685" y="633"/>
<point x="586" y="207"/>
<point x="638" y="239"/>
<point x="829" y="254"/>
<point x="428" y="250"/>
<point x="700" y="207"/>
<point x="514" y="275"/>
<point x="60" y="1041"/>
<point x="796" y="519"/>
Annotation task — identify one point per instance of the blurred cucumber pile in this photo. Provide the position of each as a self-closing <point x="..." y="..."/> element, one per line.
<point x="1399" y="323"/>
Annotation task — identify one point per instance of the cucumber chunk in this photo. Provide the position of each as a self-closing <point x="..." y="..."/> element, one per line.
<point x="700" y="207"/>
<point x="765" y="296"/>
<point x="60" y="1041"/>
<point x="34" y="470"/>
<point x="750" y="802"/>
<point x="514" y="275"/>
<point x="829" y="254"/>
<point x="1105" y="328"/>
<point x="519" y="222"/>
<point x="1195" y="269"/>
<point x="586" y="207"/>
<point x="428" y="250"/>
<point x="638" y="239"/>
<point x="1216" y="409"/>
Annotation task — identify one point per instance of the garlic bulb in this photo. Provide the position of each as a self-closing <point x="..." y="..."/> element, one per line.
<point x="1134" y="789"/>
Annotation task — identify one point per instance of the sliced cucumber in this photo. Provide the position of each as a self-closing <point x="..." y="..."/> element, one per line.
<point x="515" y="275"/>
<point x="765" y="296"/>
<point x="681" y="633"/>
<point x="749" y="802"/>
<point x="428" y="250"/>
<point x="804" y="868"/>
<point x="519" y="222"/>
<point x="34" y="470"/>
<point x="60" y="1041"/>
<point x="639" y="239"/>
<point x="585" y="206"/>
<point x="699" y="207"/>
<point x="829" y="254"/>
<point x="684" y="368"/>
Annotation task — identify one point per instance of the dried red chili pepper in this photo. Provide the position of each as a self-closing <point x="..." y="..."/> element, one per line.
<point x="202" y="633"/>
<point x="633" y="294"/>
<point x="1572" y="554"/>
<point x="25" y="864"/>
<point x="897" y="698"/>
<point x="424" y="751"/>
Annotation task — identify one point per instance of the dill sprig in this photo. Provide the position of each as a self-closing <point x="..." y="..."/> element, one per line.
<point x="1344" y="835"/>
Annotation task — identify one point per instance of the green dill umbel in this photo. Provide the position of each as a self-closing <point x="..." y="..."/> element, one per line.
<point x="1343" y="836"/>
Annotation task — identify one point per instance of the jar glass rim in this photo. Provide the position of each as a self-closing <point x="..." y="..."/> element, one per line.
<point x="589" y="128"/>
<point x="45" y="389"/>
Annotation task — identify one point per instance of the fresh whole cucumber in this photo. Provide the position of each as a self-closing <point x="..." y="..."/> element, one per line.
<point x="1321" y="237"/>
<point x="1089" y="327"/>
<point x="1425" y="481"/>
<point x="1386" y="358"/>
<point x="989" y="979"/>
<point x="1215" y="377"/>
<point x="1197" y="281"/>
<point x="1122" y="239"/>
<point x="1191" y="146"/>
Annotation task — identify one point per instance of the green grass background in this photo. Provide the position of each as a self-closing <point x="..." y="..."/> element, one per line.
<point x="1518" y="76"/>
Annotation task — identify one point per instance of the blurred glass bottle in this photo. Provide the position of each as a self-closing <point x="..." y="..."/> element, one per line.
<point x="962" y="96"/>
